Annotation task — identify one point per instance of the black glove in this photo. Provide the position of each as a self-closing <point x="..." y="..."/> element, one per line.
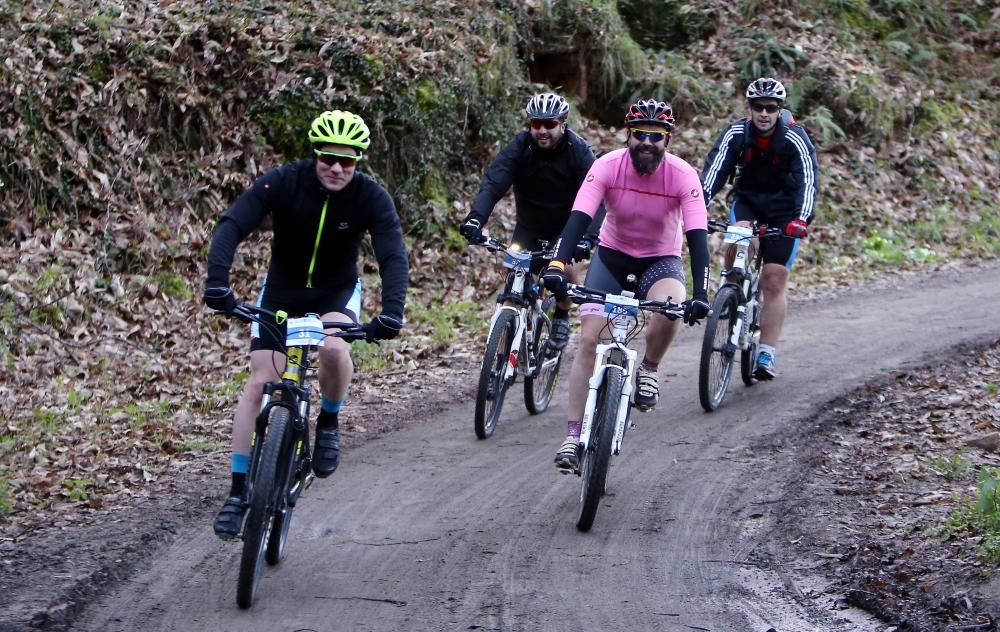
<point x="696" y="309"/>
<point x="382" y="328"/>
<point x="554" y="278"/>
<point x="583" y="249"/>
<point x="472" y="230"/>
<point x="221" y="299"/>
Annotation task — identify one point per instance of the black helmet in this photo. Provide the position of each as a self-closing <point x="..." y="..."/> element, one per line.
<point x="650" y="111"/>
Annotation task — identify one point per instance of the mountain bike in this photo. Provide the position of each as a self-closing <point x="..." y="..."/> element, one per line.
<point x="518" y="339"/>
<point x="607" y="414"/>
<point x="280" y="459"/>
<point x="733" y="325"/>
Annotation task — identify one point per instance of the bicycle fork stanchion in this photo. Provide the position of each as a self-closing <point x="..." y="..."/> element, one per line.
<point x="596" y="380"/>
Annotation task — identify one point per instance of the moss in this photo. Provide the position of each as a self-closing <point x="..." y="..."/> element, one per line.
<point x="659" y="25"/>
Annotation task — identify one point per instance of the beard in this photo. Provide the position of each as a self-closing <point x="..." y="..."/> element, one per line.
<point x="646" y="162"/>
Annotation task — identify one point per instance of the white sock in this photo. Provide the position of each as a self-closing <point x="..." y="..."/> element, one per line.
<point x="768" y="349"/>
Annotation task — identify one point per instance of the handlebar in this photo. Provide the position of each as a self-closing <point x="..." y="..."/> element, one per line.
<point x="580" y="294"/>
<point x="498" y="245"/>
<point x="250" y="313"/>
<point x="759" y="230"/>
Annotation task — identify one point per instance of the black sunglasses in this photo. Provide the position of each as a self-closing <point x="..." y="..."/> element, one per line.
<point x="546" y="123"/>
<point x="769" y="108"/>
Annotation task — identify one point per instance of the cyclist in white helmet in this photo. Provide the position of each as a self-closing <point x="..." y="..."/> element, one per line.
<point x="545" y="163"/>
<point x="320" y="209"/>
<point x="775" y="174"/>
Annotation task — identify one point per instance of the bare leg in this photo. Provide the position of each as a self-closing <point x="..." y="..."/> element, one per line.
<point x="660" y="331"/>
<point x="583" y="365"/>
<point x="265" y="366"/>
<point x="772" y="317"/>
<point x="335" y="365"/>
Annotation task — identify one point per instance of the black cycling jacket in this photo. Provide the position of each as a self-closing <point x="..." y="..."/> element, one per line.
<point x="316" y="233"/>
<point x="780" y="182"/>
<point x="545" y="182"/>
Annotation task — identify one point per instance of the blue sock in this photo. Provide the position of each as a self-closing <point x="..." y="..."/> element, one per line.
<point x="241" y="463"/>
<point x="330" y="406"/>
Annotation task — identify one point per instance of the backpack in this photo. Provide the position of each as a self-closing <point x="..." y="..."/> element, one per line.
<point x="785" y="116"/>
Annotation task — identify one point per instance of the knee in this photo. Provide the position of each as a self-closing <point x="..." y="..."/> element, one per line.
<point x="334" y="353"/>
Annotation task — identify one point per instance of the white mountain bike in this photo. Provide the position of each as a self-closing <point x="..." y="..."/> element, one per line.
<point x="518" y="339"/>
<point x="606" y="416"/>
<point x="733" y="325"/>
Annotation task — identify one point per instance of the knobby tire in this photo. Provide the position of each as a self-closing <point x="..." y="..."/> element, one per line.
<point x="495" y="361"/>
<point x="283" y="512"/>
<point x="539" y="388"/>
<point x="260" y="520"/>
<point x="717" y="353"/>
<point x="597" y="456"/>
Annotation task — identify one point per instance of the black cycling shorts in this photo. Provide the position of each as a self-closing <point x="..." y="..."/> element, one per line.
<point x="780" y="250"/>
<point x="609" y="269"/>
<point x="299" y="302"/>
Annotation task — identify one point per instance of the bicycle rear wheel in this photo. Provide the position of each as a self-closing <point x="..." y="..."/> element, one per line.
<point x="541" y="385"/>
<point x="748" y="357"/>
<point x="264" y="499"/>
<point x="492" y="385"/>
<point x="597" y="457"/>
<point x="717" y="350"/>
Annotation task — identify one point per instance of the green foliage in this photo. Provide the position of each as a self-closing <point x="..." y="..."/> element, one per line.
<point x="78" y="489"/>
<point x="443" y="320"/>
<point x="980" y="518"/>
<point x="173" y="285"/>
<point x="673" y="79"/>
<point x="659" y="25"/>
<point x="6" y="503"/>
<point x="952" y="468"/>
<point x="763" y="55"/>
<point x="821" y="123"/>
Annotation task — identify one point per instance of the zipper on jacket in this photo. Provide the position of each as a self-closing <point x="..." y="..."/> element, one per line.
<point x="319" y="233"/>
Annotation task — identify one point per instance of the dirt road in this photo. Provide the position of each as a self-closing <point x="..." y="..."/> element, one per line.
<point x="429" y="529"/>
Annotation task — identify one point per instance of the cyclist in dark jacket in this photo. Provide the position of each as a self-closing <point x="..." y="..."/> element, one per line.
<point x="776" y="181"/>
<point x="321" y="208"/>
<point x="546" y="164"/>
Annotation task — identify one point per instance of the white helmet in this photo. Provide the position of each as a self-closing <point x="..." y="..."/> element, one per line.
<point x="766" y="88"/>
<point x="547" y="105"/>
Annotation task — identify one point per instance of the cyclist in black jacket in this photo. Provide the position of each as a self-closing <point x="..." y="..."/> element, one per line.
<point x="320" y="208"/>
<point x="546" y="164"/>
<point x="776" y="180"/>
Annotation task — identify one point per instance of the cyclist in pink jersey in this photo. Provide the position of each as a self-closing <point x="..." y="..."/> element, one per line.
<point x="649" y="195"/>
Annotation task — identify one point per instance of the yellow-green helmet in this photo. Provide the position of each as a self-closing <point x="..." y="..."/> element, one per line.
<point x="338" y="127"/>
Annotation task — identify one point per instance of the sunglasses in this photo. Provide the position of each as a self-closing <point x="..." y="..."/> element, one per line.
<point x="645" y="134"/>
<point x="546" y="123"/>
<point x="770" y="108"/>
<point x="329" y="159"/>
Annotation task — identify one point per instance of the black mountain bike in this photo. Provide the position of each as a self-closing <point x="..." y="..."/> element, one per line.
<point x="518" y="340"/>
<point x="280" y="458"/>
<point x="733" y="325"/>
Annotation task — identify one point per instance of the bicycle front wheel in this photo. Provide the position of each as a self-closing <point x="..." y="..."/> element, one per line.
<point x="718" y="350"/>
<point x="492" y="385"/>
<point x="264" y="500"/>
<point x="541" y="384"/>
<point x="287" y="463"/>
<point x="597" y="457"/>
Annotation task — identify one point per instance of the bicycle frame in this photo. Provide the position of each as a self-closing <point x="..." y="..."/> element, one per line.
<point x="518" y="263"/>
<point x="748" y="273"/>
<point x="623" y="314"/>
